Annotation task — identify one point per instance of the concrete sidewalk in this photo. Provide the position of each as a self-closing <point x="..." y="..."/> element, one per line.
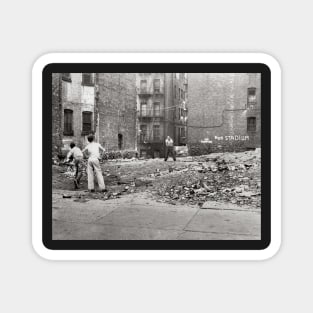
<point x="138" y="217"/>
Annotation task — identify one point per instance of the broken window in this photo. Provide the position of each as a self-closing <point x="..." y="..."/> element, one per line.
<point x="251" y="124"/>
<point x="157" y="85"/>
<point x="143" y="109"/>
<point x="87" y="122"/>
<point x="156" y="109"/>
<point x="143" y="86"/>
<point x="251" y="96"/>
<point x="156" y="132"/>
<point x="87" y="79"/>
<point x="68" y="123"/>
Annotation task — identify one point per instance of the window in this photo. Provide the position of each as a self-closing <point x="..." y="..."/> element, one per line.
<point x="87" y="79"/>
<point x="251" y="96"/>
<point x="251" y="124"/>
<point x="156" y="132"/>
<point x="179" y="93"/>
<point x="143" y="133"/>
<point x="143" y="109"/>
<point x="143" y="86"/>
<point x="66" y="77"/>
<point x="175" y="91"/>
<point x="156" y="85"/>
<point x="156" y="109"/>
<point x="183" y="132"/>
<point x="87" y="122"/>
<point x="68" y="123"/>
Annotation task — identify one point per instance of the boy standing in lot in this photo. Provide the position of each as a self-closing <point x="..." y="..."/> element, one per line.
<point x="93" y="151"/>
<point x="77" y="156"/>
<point x="169" y="148"/>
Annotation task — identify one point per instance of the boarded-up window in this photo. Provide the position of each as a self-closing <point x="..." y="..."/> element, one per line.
<point x="156" y="109"/>
<point x="143" y="86"/>
<point x="143" y="109"/>
<point x="156" y="132"/>
<point x="87" y="122"/>
<point x="156" y="85"/>
<point x="251" y="124"/>
<point x="68" y="122"/>
<point x="251" y="96"/>
<point x="87" y="79"/>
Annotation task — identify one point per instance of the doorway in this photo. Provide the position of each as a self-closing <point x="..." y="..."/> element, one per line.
<point x="120" y="141"/>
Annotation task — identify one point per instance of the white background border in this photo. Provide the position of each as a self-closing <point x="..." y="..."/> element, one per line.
<point x="156" y="58"/>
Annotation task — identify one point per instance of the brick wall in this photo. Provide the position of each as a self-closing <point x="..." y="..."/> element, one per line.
<point x="218" y="112"/>
<point x="56" y="114"/>
<point x="116" y="109"/>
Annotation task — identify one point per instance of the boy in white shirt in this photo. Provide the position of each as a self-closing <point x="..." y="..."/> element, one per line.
<point x="77" y="156"/>
<point x="93" y="151"/>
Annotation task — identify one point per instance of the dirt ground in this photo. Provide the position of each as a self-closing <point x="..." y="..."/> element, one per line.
<point x="223" y="177"/>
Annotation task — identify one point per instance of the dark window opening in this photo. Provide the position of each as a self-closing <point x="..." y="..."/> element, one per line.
<point x="143" y="133"/>
<point x="120" y="141"/>
<point x="87" y="79"/>
<point x="66" y="77"/>
<point x="68" y="123"/>
<point x="156" y="132"/>
<point x="251" y="96"/>
<point x="251" y="124"/>
<point x="87" y="123"/>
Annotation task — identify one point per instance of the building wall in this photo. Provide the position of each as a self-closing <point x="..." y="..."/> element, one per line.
<point x="151" y="147"/>
<point x="56" y="114"/>
<point x="218" y="110"/>
<point x="169" y="102"/>
<point x="116" y="110"/>
<point x="78" y="98"/>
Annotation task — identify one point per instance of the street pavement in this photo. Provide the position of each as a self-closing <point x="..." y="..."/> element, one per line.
<point x="138" y="217"/>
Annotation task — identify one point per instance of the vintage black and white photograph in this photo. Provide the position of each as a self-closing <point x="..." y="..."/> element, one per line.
<point x="156" y="156"/>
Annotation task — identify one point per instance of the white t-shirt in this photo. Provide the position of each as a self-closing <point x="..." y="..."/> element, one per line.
<point x="93" y="150"/>
<point x="76" y="153"/>
<point x="169" y="142"/>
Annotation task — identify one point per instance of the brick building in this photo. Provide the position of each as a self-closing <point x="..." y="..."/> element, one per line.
<point x="161" y="110"/>
<point x="99" y="103"/>
<point x="116" y="108"/>
<point x="224" y="110"/>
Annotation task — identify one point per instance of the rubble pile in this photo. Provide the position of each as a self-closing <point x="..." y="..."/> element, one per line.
<point x="221" y="177"/>
<point x="233" y="178"/>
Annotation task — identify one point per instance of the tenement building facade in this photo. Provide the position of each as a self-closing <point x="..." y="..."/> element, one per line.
<point x="161" y="110"/>
<point x="94" y="103"/>
<point x="225" y="110"/>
